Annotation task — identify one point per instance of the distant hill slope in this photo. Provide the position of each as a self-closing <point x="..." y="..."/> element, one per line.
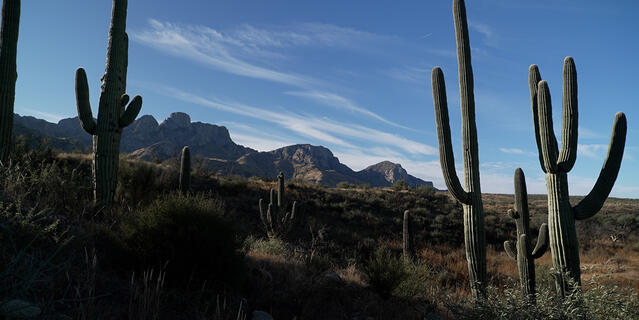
<point x="146" y="139"/>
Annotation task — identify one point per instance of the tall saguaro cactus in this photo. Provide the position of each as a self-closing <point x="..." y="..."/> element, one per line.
<point x="185" y="170"/>
<point x="8" y="71"/>
<point x="408" y="242"/>
<point x="112" y="114"/>
<point x="520" y="249"/>
<point x="276" y="220"/>
<point x="557" y="163"/>
<point x="474" y="235"/>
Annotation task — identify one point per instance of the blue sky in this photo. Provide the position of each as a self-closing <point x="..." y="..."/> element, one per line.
<point x="353" y="76"/>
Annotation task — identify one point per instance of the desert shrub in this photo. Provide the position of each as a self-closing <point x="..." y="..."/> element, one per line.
<point x="37" y="179"/>
<point x="234" y="184"/>
<point x="400" y="185"/>
<point x="346" y="185"/>
<point x="384" y="271"/>
<point x="269" y="246"/>
<point x="189" y="234"/>
<point x="598" y="302"/>
<point x="140" y="182"/>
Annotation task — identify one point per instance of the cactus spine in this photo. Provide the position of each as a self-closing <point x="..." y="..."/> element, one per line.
<point x="8" y="71"/>
<point x="520" y="249"/>
<point x="474" y="236"/>
<point x="112" y="114"/>
<point x="408" y="243"/>
<point x="276" y="221"/>
<point x="185" y="170"/>
<point x="557" y="163"/>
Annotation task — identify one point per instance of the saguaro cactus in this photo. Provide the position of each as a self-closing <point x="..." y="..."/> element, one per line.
<point x="408" y="244"/>
<point x="8" y="71"/>
<point x="557" y="163"/>
<point x="520" y="249"/>
<point x="185" y="170"/>
<point x="474" y="236"/>
<point x="275" y="219"/>
<point x="112" y="114"/>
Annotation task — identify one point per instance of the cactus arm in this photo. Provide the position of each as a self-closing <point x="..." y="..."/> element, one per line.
<point x="82" y="102"/>
<point x="568" y="153"/>
<point x="547" y="133"/>
<point x="533" y="83"/>
<point x="593" y="202"/>
<point x="511" y="249"/>
<point x="446" y="156"/>
<point x="131" y="112"/>
<point x="542" y="242"/>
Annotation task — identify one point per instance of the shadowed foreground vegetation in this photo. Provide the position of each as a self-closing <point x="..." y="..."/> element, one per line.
<point x="157" y="254"/>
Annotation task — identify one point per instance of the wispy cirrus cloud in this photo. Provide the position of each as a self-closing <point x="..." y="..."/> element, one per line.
<point x="592" y="150"/>
<point x="491" y="38"/>
<point x="323" y="129"/>
<point x="45" y="115"/>
<point x="516" y="151"/>
<point x="339" y="102"/>
<point x="212" y="48"/>
<point x="239" y="50"/>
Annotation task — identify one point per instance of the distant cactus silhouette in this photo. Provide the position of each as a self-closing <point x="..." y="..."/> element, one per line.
<point x="276" y="220"/>
<point x="408" y="241"/>
<point x="520" y="249"/>
<point x="474" y="234"/>
<point x="8" y="71"/>
<point x="112" y="114"/>
<point x="185" y="170"/>
<point x="557" y="163"/>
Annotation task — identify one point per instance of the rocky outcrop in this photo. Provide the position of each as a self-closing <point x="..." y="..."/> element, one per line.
<point x="386" y="172"/>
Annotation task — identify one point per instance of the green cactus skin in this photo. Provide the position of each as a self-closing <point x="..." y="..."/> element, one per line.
<point x="407" y="239"/>
<point x="112" y="114"/>
<point x="8" y="71"/>
<point x="474" y="234"/>
<point x="277" y="222"/>
<point x="557" y="163"/>
<point x="185" y="170"/>
<point x="520" y="249"/>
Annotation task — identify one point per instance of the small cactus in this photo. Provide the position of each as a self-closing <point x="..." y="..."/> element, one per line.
<point x="113" y="113"/>
<point x="474" y="234"/>
<point x="557" y="163"/>
<point x="408" y="243"/>
<point x="520" y="249"/>
<point x="276" y="220"/>
<point x="8" y="71"/>
<point x="185" y="171"/>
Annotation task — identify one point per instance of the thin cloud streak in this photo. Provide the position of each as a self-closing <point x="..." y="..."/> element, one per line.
<point x="223" y="52"/>
<point x="340" y="102"/>
<point x="322" y="129"/>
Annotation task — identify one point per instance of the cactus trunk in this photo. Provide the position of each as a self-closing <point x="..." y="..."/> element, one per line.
<point x="8" y="71"/>
<point x="563" y="237"/>
<point x="474" y="234"/>
<point x="524" y="255"/>
<point x="112" y="114"/>
<point x="407" y="239"/>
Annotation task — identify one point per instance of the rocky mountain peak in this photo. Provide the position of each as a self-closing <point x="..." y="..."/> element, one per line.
<point x="177" y="120"/>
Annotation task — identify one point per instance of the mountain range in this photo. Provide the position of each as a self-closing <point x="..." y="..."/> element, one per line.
<point x="146" y="139"/>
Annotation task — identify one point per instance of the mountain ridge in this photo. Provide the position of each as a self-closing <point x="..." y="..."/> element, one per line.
<point x="146" y="139"/>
